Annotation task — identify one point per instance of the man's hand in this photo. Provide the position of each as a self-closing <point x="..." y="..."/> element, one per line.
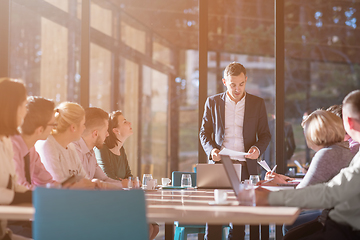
<point x="261" y="196"/>
<point x="253" y="153"/>
<point x="277" y="178"/>
<point x="215" y="155"/>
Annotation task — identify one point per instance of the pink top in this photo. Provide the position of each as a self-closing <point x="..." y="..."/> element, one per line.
<point x="90" y="165"/>
<point x="39" y="175"/>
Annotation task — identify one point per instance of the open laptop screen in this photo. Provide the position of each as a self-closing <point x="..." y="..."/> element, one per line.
<point x="231" y="173"/>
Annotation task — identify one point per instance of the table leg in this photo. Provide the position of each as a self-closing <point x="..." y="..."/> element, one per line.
<point x="214" y="232"/>
<point x="254" y="232"/>
<point x="278" y="232"/>
<point x="169" y="231"/>
<point x="264" y="231"/>
<point x="238" y="232"/>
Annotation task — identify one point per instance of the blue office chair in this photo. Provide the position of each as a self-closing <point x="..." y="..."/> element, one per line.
<point x="182" y="230"/>
<point x="89" y="214"/>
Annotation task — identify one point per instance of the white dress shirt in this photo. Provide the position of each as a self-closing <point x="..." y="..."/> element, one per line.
<point x="234" y="122"/>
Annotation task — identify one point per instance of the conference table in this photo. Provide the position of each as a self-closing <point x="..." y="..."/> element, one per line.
<point x="193" y="206"/>
<point x="196" y="206"/>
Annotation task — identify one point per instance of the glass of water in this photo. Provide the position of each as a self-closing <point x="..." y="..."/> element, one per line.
<point x="254" y="179"/>
<point x="146" y="177"/>
<point x="130" y="183"/>
<point x="186" y="180"/>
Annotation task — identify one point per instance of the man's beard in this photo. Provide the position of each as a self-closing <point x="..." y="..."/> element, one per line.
<point x="98" y="143"/>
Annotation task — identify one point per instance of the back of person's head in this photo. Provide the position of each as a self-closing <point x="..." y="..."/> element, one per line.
<point x="12" y="95"/>
<point x="323" y="128"/>
<point x="111" y="141"/>
<point x="94" y="118"/>
<point x="234" y="69"/>
<point x="336" y="109"/>
<point x="67" y="113"/>
<point x="352" y="104"/>
<point x="40" y="112"/>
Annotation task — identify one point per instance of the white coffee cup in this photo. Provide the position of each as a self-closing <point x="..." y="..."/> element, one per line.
<point x="165" y="181"/>
<point x="151" y="184"/>
<point x="220" y="196"/>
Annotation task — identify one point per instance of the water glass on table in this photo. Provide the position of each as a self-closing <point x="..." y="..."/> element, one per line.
<point x="246" y="194"/>
<point x="130" y="183"/>
<point x="254" y="179"/>
<point x="186" y="180"/>
<point x="146" y="178"/>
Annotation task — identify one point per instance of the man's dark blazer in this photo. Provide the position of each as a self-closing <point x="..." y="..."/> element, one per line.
<point x="255" y="129"/>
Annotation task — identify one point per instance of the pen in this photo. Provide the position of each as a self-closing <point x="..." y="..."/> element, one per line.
<point x="273" y="169"/>
<point x="267" y="181"/>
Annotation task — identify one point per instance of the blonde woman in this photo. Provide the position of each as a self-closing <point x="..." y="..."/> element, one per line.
<point x="57" y="153"/>
<point x="324" y="133"/>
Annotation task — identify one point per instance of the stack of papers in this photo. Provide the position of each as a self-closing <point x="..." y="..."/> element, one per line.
<point x="233" y="154"/>
<point x="264" y="165"/>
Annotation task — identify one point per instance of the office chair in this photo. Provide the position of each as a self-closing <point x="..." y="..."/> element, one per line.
<point x="89" y="214"/>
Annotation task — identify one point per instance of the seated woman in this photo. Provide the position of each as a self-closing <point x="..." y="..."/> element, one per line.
<point x="12" y="112"/>
<point x="112" y="157"/>
<point x="324" y="133"/>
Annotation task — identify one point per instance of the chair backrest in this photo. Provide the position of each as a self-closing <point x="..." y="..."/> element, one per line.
<point x="89" y="214"/>
<point x="176" y="178"/>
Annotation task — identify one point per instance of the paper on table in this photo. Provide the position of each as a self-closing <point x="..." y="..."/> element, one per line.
<point x="232" y="153"/>
<point x="264" y="165"/>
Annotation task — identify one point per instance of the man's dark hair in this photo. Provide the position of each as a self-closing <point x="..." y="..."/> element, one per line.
<point x="234" y="69"/>
<point x="40" y="111"/>
<point x="12" y="95"/>
<point x="111" y="141"/>
<point x="94" y="117"/>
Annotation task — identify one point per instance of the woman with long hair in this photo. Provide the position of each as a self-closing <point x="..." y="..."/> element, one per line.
<point x="13" y="99"/>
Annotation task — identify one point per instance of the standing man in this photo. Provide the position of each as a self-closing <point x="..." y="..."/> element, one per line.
<point x="341" y="194"/>
<point x="235" y="120"/>
<point x="96" y="123"/>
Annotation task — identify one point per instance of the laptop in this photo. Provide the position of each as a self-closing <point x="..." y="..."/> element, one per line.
<point x="213" y="176"/>
<point x="231" y="173"/>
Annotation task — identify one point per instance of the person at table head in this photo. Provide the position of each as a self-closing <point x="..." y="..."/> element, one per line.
<point x="37" y="125"/>
<point x="235" y="120"/>
<point x="112" y="157"/>
<point x="13" y="99"/>
<point x="342" y="192"/>
<point x="353" y="145"/>
<point x="94" y="135"/>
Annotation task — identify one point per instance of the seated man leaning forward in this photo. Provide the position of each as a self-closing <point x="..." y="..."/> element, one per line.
<point x="342" y="192"/>
<point x="235" y="120"/>
<point x="96" y="123"/>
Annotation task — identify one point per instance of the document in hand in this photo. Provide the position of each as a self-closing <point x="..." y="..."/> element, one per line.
<point x="264" y="165"/>
<point x="232" y="153"/>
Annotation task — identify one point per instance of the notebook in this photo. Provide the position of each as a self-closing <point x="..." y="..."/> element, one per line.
<point x="214" y="176"/>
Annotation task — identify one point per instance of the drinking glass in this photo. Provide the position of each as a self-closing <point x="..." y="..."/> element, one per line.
<point x="136" y="182"/>
<point x="130" y="182"/>
<point x="146" y="177"/>
<point x="246" y="194"/>
<point x="186" y="180"/>
<point x="254" y="179"/>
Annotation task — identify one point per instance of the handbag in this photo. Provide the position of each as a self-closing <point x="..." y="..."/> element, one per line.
<point x="308" y="228"/>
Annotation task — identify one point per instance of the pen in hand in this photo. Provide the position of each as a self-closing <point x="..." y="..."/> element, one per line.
<point x="273" y="169"/>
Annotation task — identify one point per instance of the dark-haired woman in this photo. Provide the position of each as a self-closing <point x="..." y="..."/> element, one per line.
<point x="112" y="157"/>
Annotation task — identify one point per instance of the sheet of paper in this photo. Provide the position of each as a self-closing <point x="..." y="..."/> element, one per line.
<point x="264" y="165"/>
<point x="232" y="153"/>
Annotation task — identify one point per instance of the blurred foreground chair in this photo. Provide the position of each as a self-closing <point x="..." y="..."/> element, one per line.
<point x="89" y="214"/>
<point x="182" y="230"/>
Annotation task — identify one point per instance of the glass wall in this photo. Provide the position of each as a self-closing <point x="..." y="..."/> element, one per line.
<point x="322" y="60"/>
